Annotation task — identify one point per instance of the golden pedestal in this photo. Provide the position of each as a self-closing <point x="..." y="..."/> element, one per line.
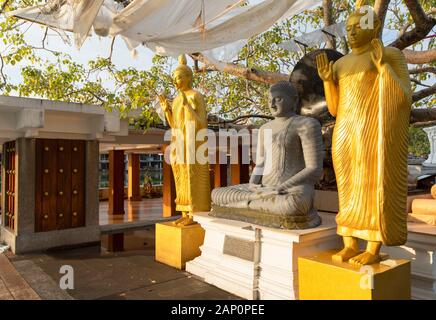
<point x="322" y="279"/>
<point x="177" y="245"/>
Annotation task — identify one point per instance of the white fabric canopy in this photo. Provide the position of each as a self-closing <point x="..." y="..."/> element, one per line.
<point x="169" y="27"/>
<point x="251" y="21"/>
<point x="315" y="38"/>
<point x="72" y="15"/>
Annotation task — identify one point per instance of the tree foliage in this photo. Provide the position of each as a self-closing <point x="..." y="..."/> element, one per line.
<point x="419" y="145"/>
<point x="230" y="96"/>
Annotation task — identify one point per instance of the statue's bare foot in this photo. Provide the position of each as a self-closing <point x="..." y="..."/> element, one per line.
<point x="345" y="254"/>
<point x="178" y="221"/>
<point x="365" y="259"/>
<point x="186" y="222"/>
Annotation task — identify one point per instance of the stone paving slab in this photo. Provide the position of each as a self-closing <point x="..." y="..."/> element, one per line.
<point x="46" y="287"/>
<point x="13" y="283"/>
<point x="98" y="274"/>
<point x="186" y="288"/>
<point x="4" y="292"/>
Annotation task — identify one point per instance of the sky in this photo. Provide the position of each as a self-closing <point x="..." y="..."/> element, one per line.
<point x="93" y="47"/>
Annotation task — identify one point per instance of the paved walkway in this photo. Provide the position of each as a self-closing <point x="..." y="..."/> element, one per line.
<point x="98" y="274"/>
<point x="12" y="284"/>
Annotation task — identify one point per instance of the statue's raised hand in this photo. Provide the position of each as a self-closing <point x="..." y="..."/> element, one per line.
<point x="184" y="98"/>
<point x="163" y="102"/>
<point x="325" y="68"/>
<point x="377" y="54"/>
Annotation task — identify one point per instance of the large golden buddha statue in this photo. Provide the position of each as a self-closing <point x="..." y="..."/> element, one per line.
<point x="369" y="93"/>
<point x="186" y="117"/>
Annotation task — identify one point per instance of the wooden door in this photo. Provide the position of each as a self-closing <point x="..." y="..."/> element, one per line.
<point x="9" y="155"/>
<point x="60" y="184"/>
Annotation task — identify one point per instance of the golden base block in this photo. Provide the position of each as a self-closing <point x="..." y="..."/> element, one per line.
<point x="176" y="245"/>
<point x="322" y="279"/>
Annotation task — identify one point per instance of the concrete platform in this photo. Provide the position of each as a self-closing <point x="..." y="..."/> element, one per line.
<point x="98" y="274"/>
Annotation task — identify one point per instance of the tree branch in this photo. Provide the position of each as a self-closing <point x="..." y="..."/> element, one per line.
<point x="248" y="116"/>
<point x="327" y="6"/>
<point x="419" y="83"/>
<point x="111" y="49"/>
<point x="3" y="7"/>
<point x="424" y="124"/>
<point x="45" y="37"/>
<point x="423" y="115"/>
<point x="381" y="9"/>
<point x="1" y="69"/>
<point x="238" y="71"/>
<point x="423" y="25"/>
<point x="420" y="57"/>
<point x="423" y="70"/>
<point x="424" y="93"/>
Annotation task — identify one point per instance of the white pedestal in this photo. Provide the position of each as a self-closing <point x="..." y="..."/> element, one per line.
<point x="256" y="262"/>
<point x="431" y="160"/>
<point x="421" y="250"/>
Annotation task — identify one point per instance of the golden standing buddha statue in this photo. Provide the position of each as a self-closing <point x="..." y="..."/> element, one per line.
<point x="369" y="93"/>
<point x="186" y="117"/>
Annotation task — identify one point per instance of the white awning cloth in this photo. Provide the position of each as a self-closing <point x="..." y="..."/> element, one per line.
<point x="167" y="27"/>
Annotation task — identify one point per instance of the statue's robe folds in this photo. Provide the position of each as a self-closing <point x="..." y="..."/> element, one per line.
<point x="192" y="180"/>
<point x="370" y="143"/>
<point x="292" y="160"/>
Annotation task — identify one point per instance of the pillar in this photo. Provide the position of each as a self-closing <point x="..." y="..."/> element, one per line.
<point x="168" y="190"/>
<point x="116" y="182"/>
<point x="134" y="184"/>
<point x="116" y="242"/>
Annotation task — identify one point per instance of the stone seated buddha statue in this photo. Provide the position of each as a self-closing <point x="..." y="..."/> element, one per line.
<point x="281" y="189"/>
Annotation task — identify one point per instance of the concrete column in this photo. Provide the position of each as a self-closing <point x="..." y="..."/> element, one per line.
<point x="134" y="184"/>
<point x="116" y="182"/>
<point x="168" y="190"/>
<point x="25" y="186"/>
<point x="116" y="242"/>
<point x="92" y="200"/>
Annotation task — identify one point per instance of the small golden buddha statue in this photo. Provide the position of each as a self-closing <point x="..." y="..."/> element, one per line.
<point x="186" y="117"/>
<point x="369" y="93"/>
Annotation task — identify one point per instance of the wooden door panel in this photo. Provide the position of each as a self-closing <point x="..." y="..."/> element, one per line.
<point x="78" y="183"/>
<point x="60" y="184"/>
<point x="63" y="205"/>
<point x="9" y="154"/>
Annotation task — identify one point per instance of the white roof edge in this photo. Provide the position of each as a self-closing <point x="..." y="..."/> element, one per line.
<point x="52" y="105"/>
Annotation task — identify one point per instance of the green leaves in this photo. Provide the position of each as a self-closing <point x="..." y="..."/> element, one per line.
<point x="54" y="75"/>
<point x="419" y="145"/>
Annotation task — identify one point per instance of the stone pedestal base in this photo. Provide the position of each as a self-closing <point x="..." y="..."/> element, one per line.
<point x="421" y="250"/>
<point x="176" y="245"/>
<point x="322" y="279"/>
<point x="256" y="262"/>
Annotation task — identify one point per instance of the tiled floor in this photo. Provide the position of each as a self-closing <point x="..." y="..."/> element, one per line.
<point x="147" y="209"/>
